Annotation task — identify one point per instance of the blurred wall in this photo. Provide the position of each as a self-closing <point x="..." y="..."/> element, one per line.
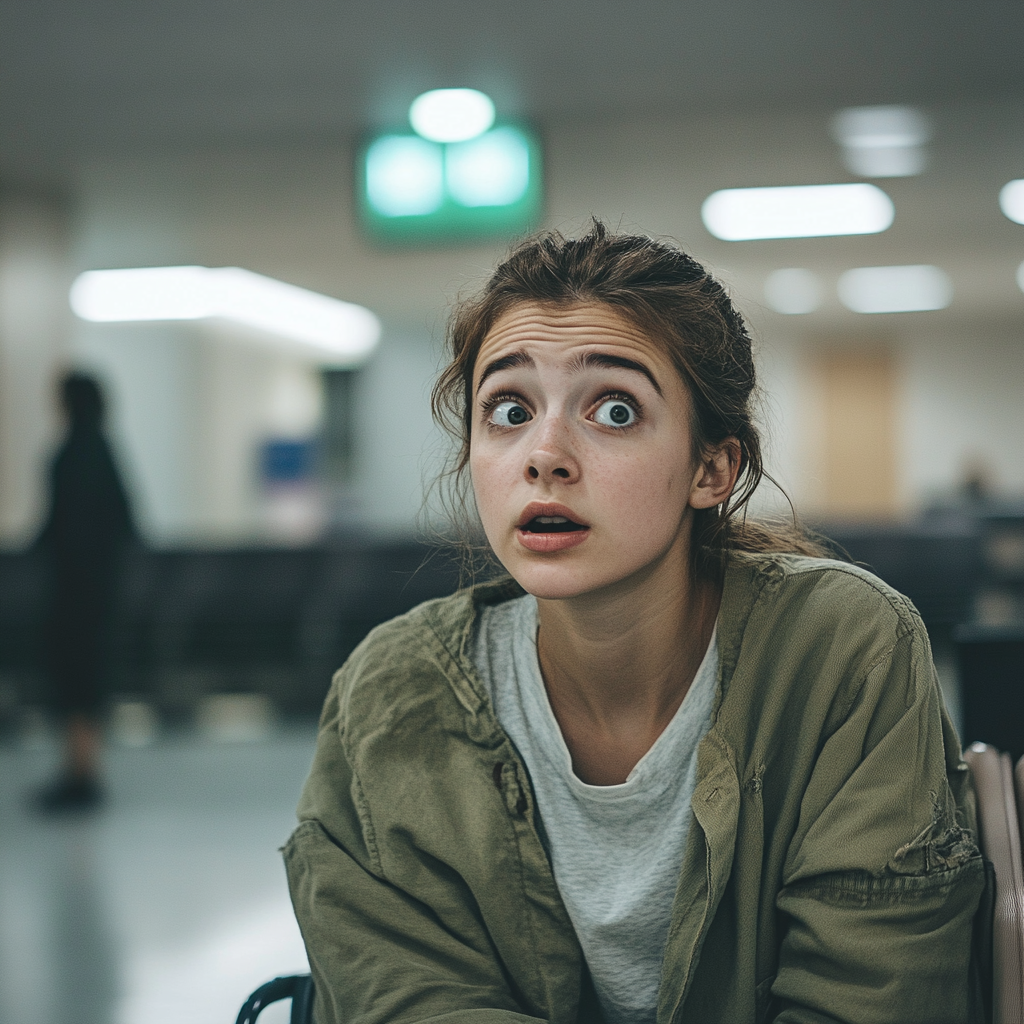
<point x="192" y="406"/>
<point x="34" y="325"/>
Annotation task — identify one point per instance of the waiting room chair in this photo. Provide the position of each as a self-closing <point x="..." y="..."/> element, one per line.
<point x="1019" y="785"/>
<point x="296" y="987"/>
<point x="999" y="824"/>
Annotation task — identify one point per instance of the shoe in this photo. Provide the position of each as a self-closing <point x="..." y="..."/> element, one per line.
<point x="69" y="794"/>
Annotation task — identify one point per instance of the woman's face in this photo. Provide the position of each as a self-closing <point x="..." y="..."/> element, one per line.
<point x="580" y="450"/>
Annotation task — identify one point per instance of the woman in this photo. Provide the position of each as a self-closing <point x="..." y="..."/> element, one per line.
<point x="672" y="769"/>
<point x="88" y="523"/>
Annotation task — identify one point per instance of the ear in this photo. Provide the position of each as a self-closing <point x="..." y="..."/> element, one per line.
<point x="716" y="475"/>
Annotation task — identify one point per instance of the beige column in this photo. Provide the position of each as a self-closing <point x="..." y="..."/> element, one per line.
<point x="34" y="327"/>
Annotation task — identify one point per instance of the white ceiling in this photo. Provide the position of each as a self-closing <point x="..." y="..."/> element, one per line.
<point x="85" y="77"/>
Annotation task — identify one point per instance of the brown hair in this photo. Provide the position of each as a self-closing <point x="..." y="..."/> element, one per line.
<point x="679" y="306"/>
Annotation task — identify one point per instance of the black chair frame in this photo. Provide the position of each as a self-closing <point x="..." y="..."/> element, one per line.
<point x="296" y="987"/>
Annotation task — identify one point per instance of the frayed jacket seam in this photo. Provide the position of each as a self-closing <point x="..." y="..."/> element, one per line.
<point x="881" y="889"/>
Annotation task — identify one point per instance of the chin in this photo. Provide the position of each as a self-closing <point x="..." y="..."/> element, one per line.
<point x="553" y="581"/>
<point x="612" y="569"/>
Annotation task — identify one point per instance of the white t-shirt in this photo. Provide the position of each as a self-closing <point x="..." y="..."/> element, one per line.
<point x="616" y="851"/>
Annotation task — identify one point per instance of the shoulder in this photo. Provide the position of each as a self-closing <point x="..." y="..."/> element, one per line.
<point x="415" y="668"/>
<point x="811" y="606"/>
<point x="820" y="590"/>
<point x="821" y="637"/>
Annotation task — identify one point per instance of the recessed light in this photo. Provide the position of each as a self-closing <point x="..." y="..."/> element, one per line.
<point x="451" y="115"/>
<point x="340" y="332"/>
<point x="906" y="289"/>
<point x="797" y="211"/>
<point x="793" y="291"/>
<point x="1011" y="200"/>
<point x="883" y="142"/>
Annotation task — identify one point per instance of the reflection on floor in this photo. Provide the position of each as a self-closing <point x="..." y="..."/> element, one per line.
<point x="169" y="905"/>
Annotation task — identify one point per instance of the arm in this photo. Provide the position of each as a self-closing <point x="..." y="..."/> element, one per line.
<point x="377" y="953"/>
<point x="883" y="878"/>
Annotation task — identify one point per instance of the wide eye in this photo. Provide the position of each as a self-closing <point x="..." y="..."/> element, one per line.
<point x="615" y="413"/>
<point x="509" y="414"/>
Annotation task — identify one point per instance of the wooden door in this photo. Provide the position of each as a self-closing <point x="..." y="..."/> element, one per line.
<point x="855" y="433"/>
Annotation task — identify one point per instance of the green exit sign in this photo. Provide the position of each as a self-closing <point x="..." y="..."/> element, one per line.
<point x="411" y="189"/>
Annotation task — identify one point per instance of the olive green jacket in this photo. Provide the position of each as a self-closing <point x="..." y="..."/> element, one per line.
<point x="831" y="873"/>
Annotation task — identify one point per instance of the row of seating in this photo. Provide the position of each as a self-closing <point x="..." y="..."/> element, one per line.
<point x="189" y="622"/>
<point x="279" y="621"/>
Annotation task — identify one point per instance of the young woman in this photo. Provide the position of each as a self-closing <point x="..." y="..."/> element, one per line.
<point x="673" y="768"/>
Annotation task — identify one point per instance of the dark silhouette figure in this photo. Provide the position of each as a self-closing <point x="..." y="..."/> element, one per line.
<point x="88" y="523"/>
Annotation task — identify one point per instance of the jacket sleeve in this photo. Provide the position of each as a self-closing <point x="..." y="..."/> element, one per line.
<point x="378" y="955"/>
<point x="883" y="878"/>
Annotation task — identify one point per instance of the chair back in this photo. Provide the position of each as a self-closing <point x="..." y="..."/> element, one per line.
<point x="1001" y="843"/>
<point x="1018" y="778"/>
<point x="296" y="987"/>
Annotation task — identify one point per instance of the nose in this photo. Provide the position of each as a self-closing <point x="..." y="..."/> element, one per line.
<point x="553" y="457"/>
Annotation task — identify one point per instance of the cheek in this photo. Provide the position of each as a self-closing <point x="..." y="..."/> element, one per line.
<point x="652" y="488"/>
<point x="486" y="474"/>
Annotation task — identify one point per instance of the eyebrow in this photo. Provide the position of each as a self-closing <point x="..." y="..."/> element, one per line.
<point x="583" y="362"/>
<point x="608" y="361"/>
<point x="509" y="362"/>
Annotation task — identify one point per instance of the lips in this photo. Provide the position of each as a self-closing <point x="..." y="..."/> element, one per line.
<point x="549" y="517"/>
<point x="547" y="527"/>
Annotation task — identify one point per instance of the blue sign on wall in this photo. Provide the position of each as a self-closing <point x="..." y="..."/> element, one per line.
<point x="287" y="461"/>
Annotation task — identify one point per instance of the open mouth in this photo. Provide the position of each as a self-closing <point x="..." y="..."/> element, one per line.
<point x="551" y="524"/>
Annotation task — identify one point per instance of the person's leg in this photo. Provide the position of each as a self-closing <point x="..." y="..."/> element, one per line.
<point x="78" y="786"/>
<point x="76" y="662"/>
<point x="83" y="740"/>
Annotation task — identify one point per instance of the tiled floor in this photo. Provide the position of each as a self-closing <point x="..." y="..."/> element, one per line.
<point x="169" y="905"/>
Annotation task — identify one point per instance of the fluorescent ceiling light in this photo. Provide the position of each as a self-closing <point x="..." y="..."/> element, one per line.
<point x="404" y="176"/>
<point x="1011" y="200"/>
<point x="451" y="115"/>
<point x="793" y="291"/>
<point x="797" y="211"/>
<point x="493" y="170"/>
<point x="895" y="289"/>
<point x="340" y="333"/>
<point x="1020" y="277"/>
<point x="882" y="142"/>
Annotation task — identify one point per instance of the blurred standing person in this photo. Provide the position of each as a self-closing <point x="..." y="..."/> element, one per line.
<point x="88" y="522"/>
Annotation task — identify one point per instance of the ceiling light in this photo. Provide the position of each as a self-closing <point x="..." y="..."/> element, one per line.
<point x="895" y="289"/>
<point x="1020" y="277"/>
<point x="340" y="333"/>
<point x="1011" y="200"/>
<point x="797" y="211"/>
<point x="793" y="291"/>
<point x="493" y="170"/>
<point x="404" y="176"/>
<point x="451" y="115"/>
<point x="882" y="142"/>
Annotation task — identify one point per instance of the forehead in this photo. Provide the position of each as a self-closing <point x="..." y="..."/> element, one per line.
<point x="553" y="331"/>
